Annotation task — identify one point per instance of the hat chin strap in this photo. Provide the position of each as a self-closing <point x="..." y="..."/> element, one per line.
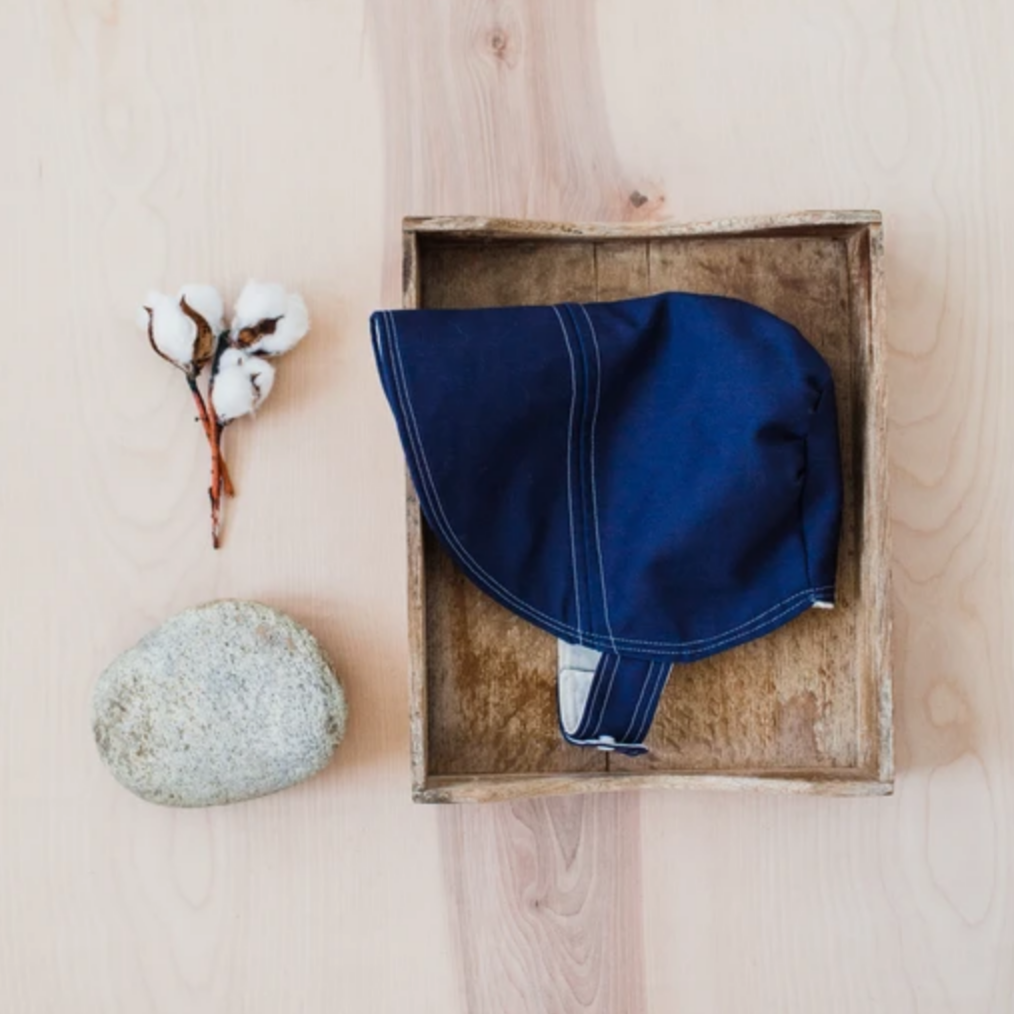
<point x="608" y="701"/>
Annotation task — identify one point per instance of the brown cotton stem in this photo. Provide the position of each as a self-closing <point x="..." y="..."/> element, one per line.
<point x="217" y="465"/>
<point x="209" y="432"/>
<point x="216" y="428"/>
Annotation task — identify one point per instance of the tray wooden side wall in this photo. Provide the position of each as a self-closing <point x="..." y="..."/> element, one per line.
<point x="805" y="709"/>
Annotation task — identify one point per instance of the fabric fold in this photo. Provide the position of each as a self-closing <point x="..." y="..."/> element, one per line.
<point x="621" y="702"/>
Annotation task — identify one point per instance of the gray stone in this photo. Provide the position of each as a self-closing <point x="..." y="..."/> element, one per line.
<point x="228" y="701"/>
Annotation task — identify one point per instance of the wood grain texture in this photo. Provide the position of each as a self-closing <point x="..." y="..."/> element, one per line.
<point x="898" y="905"/>
<point x="779" y="224"/>
<point x="142" y="148"/>
<point x="525" y="131"/>
<point x="810" y="702"/>
<point x="154" y="143"/>
<point x="546" y="904"/>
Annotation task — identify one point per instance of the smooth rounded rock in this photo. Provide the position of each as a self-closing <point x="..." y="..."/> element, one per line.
<point x="225" y="702"/>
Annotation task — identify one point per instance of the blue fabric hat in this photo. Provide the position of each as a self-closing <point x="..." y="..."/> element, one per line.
<point x="655" y="479"/>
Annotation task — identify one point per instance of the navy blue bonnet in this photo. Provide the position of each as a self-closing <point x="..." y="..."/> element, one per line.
<point x="652" y="480"/>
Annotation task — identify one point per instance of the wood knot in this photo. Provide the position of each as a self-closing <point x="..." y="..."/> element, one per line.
<point x="498" y="43"/>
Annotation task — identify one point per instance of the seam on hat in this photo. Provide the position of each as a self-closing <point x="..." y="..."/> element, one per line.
<point x="656" y="695"/>
<point x="583" y="462"/>
<point x="594" y="491"/>
<point x="594" y="708"/>
<point x="637" y="707"/>
<point x="439" y="515"/>
<point x="570" y="478"/>
<point x="657" y="677"/>
<point x="592" y="704"/>
<point x="637" y="733"/>
<point x="670" y="649"/>
<point x="760" y="620"/>
<point x="604" y="701"/>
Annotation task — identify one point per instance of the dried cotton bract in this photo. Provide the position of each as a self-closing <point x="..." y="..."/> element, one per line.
<point x="182" y="329"/>
<point x="177" y="326"/>
<point x="206" y="301"/>
<point x="188" y="330"/>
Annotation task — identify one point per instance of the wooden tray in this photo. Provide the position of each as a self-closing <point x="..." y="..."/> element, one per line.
<point x="804" y="709"/>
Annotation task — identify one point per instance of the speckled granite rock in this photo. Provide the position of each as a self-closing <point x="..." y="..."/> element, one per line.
<point x="224" y="702"/>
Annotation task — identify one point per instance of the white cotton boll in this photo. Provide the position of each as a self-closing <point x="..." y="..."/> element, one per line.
<point x="232" y="394"/>
<point x="259" y="301"/>
<point x="241" y="385"/>
<point x="268" y="319"/>
<point x="262" y="377"/>
<point x="205" y="300"/>
<point x="289" y="331"/>
<point x="173" y="332"/>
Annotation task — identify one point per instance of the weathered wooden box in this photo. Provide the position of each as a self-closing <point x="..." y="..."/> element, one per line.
<point x="804" y="709"/>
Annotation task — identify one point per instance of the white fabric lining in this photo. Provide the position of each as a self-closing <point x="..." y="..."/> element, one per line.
<point x="575" y="670"/>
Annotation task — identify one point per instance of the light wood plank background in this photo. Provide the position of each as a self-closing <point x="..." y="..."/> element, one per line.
<point x="154" y="142"/>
